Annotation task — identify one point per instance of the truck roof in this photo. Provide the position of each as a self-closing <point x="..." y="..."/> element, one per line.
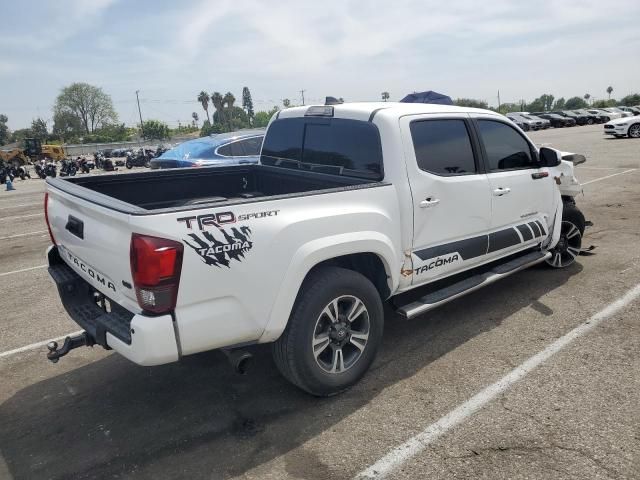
<point x="363" y="110"/>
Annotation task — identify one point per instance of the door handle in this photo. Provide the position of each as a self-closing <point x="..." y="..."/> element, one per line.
<point x="429" y="202"/>
<point x="498" y="192"/>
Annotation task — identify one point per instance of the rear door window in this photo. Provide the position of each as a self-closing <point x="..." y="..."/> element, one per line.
<point x="443" y="147"/>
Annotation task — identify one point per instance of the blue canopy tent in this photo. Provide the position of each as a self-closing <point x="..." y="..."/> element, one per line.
<point x="427" y="97"/>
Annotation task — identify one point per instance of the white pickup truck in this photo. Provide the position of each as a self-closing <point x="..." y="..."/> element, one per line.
<point x="350" y="206"/>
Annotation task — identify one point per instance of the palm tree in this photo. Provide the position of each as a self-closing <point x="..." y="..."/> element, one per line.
<point x="286" y="103"/>
<point x="385" y="96"/>
<point x="228" y="101"/>
<point x="194" y="115"/>
<point x="609" y="90"/>
<point x="587" y="97"/>
<point x="218" y="104"/>
<point x="203" y="98"/>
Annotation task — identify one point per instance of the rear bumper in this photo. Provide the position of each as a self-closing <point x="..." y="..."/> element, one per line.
<point x="143" y="340"/>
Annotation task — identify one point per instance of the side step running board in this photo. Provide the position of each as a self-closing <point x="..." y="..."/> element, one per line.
<point x="471" y="284"/>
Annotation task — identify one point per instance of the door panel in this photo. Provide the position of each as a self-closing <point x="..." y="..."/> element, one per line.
<point x="452" y="202"/>
<point x="523" y="195"/>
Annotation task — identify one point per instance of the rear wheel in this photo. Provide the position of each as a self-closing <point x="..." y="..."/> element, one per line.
<point x="568" y="247"/>
<point x="634" y="131"/>
<point x="333" y="334"/>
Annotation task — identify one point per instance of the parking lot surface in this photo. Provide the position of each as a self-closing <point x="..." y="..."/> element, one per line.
<point x="575" y="414"/>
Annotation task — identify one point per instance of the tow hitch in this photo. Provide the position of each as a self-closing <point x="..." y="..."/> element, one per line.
<point x="77" y="341"/>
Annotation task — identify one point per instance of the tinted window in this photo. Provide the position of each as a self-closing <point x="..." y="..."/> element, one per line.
<point x="443" y="147"/>
<point x="252" y="145"/>
<point x="328" y="145"/>
<point x="506" y="148"/>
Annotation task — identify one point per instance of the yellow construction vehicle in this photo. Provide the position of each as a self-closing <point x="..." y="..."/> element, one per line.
<point x="33" y="152"/>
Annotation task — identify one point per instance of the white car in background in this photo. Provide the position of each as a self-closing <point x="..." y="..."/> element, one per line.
<point x="608" y="115"/>
<point x="623" y="127"/>
<point x="617" y="110"/>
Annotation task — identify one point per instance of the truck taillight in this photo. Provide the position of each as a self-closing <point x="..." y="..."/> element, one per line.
<point x="155" y="268"/>
<point x="46" y="216"/>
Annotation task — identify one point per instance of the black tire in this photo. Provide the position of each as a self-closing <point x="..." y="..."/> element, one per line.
<point x="606" y="119"/>
<point x="147" y="163"/>
<point x="634" y="131"/>
<point x="568" y="247"/>
<point x="293" y="352"/>
<point x="590" y="121"/>
<point x="129" y="165"/>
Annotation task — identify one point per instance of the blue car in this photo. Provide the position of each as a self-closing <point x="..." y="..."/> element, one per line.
<point x="233" y="148"/>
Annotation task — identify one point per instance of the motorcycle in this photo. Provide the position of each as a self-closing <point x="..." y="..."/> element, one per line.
<point x="5" y="172"/>
<point x="83" y="165"/>
<point x="107" y="165"/>
<point x="68" y="168"/>
<point x="23" y="172"/>
<point x="141" y="158"/>
<point x="46" y="170"/>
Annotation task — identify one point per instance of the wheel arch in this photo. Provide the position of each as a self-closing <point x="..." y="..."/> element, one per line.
<point x="369" y="253"/>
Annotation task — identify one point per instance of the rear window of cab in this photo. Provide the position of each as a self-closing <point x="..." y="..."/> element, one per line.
<point x="326" y="145"/>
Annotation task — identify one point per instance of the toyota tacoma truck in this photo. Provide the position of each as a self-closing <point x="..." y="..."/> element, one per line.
<point x="351" y="205"/>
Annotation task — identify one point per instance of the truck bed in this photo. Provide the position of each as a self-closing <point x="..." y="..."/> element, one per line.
<point x="184" y="189"/>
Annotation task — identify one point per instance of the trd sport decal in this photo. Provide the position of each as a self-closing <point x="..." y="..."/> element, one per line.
<point x="220" y="252"/>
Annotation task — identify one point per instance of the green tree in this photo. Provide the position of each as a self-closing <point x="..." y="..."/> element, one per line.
<point x="575" y="103"/>
<point x="247" y="103"/>
<point x="4" y="130"/>
<point x="155" y="130"/>
<point x="286" y="103"/>
<point x="609" y="91"/>
<point x="19" y="135"/>
<point x="66" y="126"/>
<point x="471" y="102"/>
<point x="218" y="103"/>
<point x="195" y="117"/>
<point x="630" y="100"/>
<point x="510" y="107"/>
<point x="604" y="103"/>
<point x="385" y="96"/>
<point x="203" y="98"/>
<point x="542" y="103"/>
<point x="90" y="104"/>
<point x="208" y="129"/>
<point x="39" y="129"/>
<point x="262" y="118"/>
<point x="559" y="104"/>
<point x="228" y="102"/>
<point x="586" y="97"/>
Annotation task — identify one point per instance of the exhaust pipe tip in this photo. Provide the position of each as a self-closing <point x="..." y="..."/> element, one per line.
<point x="239" y="359"/>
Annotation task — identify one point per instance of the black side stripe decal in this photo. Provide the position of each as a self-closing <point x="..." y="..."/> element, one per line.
<point x="483" y="244"/>
<point x="525" y="232"/>
<point x="536" y="229"/>
<point x="503" y="239"/>
<point x="468" y="248"/>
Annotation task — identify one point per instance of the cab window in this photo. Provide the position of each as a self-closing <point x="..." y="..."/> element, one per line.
<point x="505" y="148"/>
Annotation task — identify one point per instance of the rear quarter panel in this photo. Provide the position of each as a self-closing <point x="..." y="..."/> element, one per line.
<point x="240" y="278"/>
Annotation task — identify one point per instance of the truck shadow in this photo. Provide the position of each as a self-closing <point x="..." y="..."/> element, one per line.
<point x="198" y="419"/>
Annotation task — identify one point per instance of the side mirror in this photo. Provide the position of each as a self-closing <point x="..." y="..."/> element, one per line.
<point x="549" y="157"/>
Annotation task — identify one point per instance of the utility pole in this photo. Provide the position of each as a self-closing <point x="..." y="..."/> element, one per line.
<point x="498" y="101"/>
<point x="302" y="93"/>
<point x="140" y="113"/>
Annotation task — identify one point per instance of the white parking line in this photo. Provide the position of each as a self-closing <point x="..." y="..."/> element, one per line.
<point x="23" y="216"/>
<point x="23" y="234"/>
<point x="37" y="344"/>
<point x="22" y="205"/>
<point x="4" y="274"/>
<point x="609" y="176"/>
<point x="412" y="447"/>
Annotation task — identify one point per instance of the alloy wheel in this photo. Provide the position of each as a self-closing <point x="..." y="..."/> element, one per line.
<point x="568" y="247"/>
<point x="341" y="333"/>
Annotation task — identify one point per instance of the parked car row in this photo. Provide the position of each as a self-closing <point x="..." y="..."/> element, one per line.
<point x="569" y="118"/>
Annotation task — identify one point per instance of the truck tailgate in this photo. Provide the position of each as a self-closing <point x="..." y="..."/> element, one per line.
<point x="94" y="241"/>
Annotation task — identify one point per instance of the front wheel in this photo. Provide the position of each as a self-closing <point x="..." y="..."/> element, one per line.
<point x="333" y="334"/>
<point x="568" y="247"/>
<point x="129" y="165"/>
<point x="634" y="131"/>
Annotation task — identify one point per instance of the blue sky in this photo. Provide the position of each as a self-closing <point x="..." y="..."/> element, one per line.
<point x="353" y="49"/>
